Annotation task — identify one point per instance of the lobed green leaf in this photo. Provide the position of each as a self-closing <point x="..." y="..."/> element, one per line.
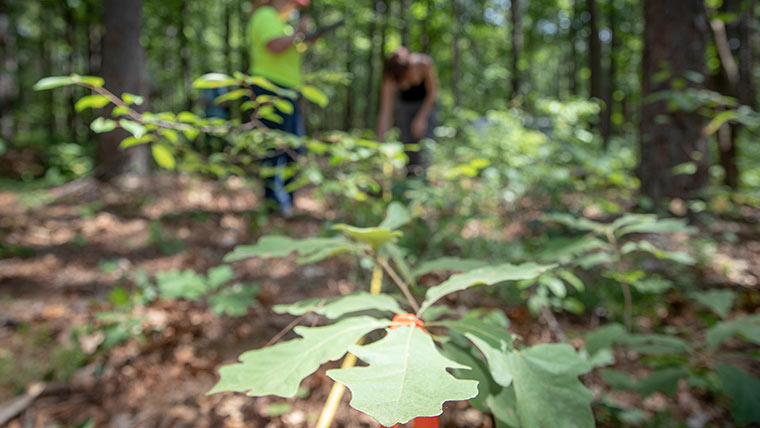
<point x="407" y="377"/>
<point x="484" y="276"/>
<point x="279" y="369"/>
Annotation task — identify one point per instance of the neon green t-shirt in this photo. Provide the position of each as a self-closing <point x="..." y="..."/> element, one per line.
<point x="283" y="68"/>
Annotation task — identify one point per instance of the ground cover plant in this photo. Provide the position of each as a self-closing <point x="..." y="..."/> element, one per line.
<point x="582" y="249"/>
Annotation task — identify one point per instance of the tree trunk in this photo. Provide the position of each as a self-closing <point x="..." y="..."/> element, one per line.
<point x="517" y="45"/>
<point x="673" y="35"/>
<point x="371" y="87"/>
<point x="404" y="16"/>
<point x="747" y="23"/>
<point x="47" y="69"/>
<point x="123" y="62"/>
<point x="245" y="56"/>
<point x="609" y="98"/>
<point x="8" y="74"/>
<point x="425" y="30"/>
<point x="348" y="108"/>
<point x="573" y="61"/>
<point x="184" y="55"/>
<point x="227" y="37"/>
<point x="455" y="53"/>
<point x="594" y="52"/>
<point x="72" y="119"/>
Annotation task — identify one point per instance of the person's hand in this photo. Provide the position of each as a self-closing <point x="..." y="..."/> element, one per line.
<point x="304" y="23"/>
<point x="419" y="127"/>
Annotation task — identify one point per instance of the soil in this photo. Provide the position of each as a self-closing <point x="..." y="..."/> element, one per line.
<point x="66" y="250"/>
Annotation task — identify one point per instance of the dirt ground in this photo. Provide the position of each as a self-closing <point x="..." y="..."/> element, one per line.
<point x="68" y="249"/>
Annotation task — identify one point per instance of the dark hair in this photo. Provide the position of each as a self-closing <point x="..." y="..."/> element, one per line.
<point x="397" y="64"/>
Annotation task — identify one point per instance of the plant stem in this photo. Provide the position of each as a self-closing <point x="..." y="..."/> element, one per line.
<point x="401" y="284"/>
<point x="337" y="390"/>
<point x="376" y="286"/>
<point x="628" y="306"/>
<point x="336" y="394"/>
<point x="554" y="324"/>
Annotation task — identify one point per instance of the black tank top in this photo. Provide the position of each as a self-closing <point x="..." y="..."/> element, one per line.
<point x="417" y="92"/>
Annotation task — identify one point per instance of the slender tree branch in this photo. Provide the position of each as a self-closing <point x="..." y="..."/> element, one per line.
<point x="399" y="282"/>
<point x="290" y="326"/>
<point x="551" y="320"/>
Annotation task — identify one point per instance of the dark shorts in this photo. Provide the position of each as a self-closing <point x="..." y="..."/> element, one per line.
<point x="406" y="111"/>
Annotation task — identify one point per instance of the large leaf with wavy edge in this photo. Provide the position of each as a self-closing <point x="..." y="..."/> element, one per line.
<point x="747" y="327"/>
<point x="494" y="342"/>
<point x="279" y="369"/>
<point x="448" y="263"/>
<point x="484" y="276"/>
<point x="396" y="216"/>
<point x="333" y="308"/>
<point x="548" y="392"/>
<point x="478" y="371"/>
<point x="743" y="389"/>
<point x="406" y="378"/>
<point x="310" y="249"/>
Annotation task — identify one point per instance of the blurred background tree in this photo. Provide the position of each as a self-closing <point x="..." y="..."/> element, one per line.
<point x="490" y="54"/>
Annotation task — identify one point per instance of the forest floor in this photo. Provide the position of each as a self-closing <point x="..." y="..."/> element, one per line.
<point x="69" y="248"/>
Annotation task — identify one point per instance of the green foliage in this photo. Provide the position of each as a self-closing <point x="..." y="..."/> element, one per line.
<point x="224" y="298"/>
<point x="747" y="328"/>
<point x="279" y="369"/>
<point x="742" y="387"/>
<point x="492" y="341"/>
<point x="310" y="250"/>
<point x="719" y="301"/>
<point x="337" y="307"/>
<point x="455" y="264"/>
<point x="547" y="388"/>
<point x="484" y="276"/>
<point x="406" y="377"/>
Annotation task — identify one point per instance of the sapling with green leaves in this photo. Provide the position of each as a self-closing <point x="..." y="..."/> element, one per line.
<point x="607" y="246"/>
<point x="698" y="356"/>
<point x="407" y="373"/>
<point x="361" y="167"/>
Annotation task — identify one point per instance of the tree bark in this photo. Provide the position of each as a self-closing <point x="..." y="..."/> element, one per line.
<point x="8" y="74"/>
<point x="517" y="46"/>
<point x="673" y="35"/>
<point x="726" y="81"/>
<point x="455" y="53"/>
<point x="245" y="56"/>
<point x="573" y="60"/>
<point x="123" y="63"/>
<point x="404" y="15"/>
<point x="47" y="69"/>
<point x="747" y="24"/>
<point x="227" y="18"/>
<point x="371" y="87"/>
<point x="72" y="119"/>
<point x="184" y="54"/>
<point x="348" y="108"/>
<point x="609" y="97"/>
<point x="595" y="52"/>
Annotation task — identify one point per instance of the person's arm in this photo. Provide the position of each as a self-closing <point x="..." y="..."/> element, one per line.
<point x="281" y="44"/>
<point x="385" y="115"/>
<point x="421" y="120"/>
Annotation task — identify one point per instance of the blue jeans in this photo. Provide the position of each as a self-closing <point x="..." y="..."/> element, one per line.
<point x="276" y="185"/>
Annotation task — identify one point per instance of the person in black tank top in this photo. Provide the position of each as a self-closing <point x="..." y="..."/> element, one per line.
<point x="417" y="92"/>
<point x="409" y="82"/>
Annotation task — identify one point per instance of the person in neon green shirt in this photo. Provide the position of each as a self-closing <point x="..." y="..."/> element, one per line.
<point x="276" y="50"/>
<point x="275" y="46"/>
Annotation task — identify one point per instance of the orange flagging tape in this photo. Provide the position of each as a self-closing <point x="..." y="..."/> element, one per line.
<point x="403" y="320"/>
